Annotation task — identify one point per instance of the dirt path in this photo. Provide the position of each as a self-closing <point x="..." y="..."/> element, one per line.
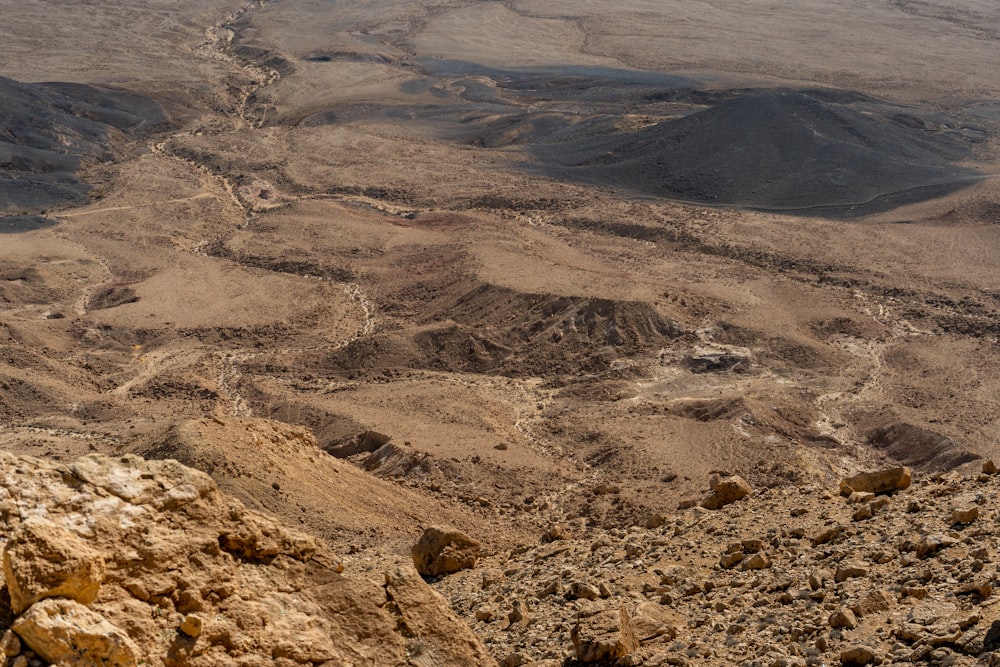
<point x="106" y="209"/>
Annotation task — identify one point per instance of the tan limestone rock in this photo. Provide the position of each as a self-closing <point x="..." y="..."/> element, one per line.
<point x="254" y="538"/>
<point x="928" y="545"/>
<point x="964" y="514"/>
<point x="981" y="588"/>
<point x="62" y="630"/>
<point x="443" y="551"/>
<point x="165" y="485"/>
<point x="44" y="560"/>
<point x="583" y="590"/>
<point x="828" y="535"/>
<point x="176" y="549"/>
<point x="10" y="644"/>
<point x="651" y="621"/>
<point x="759" y="561"/>
<point x="445" y="640"/>
<point x="862" y="513"/>
<point x="847" y="571"/>
<point x="192" y="626"/>
<point x="873" y="603"/>
<point x="603" y="635"/>
<point x="519" y="614"/>
<point x="730" y="559"/>
<point x="843" y="618"/>
<point x="727" y="490"/>
<point x="857" y="656"/>
<point x="881" y="481"/>
<point x="513" y="660"/>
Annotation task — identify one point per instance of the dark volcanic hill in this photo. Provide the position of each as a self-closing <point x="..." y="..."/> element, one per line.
<point x="778" y="150"/>
<point x="46" y="130"/>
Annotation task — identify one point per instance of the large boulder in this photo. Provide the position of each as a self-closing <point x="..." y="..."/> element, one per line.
<point x="44" y="560"/>
<point x="66" y="632"/>
<point x="429" y="616"/>
<point x="727" y="490"/>
<point x="857" y="656"/>
<point x="880" y="481"/>
<point x="603" y="635"/>
<point x="443" y="551"/>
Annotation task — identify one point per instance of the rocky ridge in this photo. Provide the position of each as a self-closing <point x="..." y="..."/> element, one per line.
<point x="123" y="561"/>
<point x="127" y="562"/>
<point x="788" y="576"/>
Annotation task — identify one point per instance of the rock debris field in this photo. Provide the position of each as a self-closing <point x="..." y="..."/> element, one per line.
<point x="784" y="577"/>
<point x="125" y="562"/>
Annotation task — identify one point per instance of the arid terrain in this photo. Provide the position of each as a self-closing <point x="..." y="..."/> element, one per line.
<point x="524" y="269"/>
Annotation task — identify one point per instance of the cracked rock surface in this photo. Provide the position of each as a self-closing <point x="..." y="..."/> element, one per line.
<point x="125" y="562"/>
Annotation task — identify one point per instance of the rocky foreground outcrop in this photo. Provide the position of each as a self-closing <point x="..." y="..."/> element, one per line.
<point x="124" y="562"/>
<point x="788" y="577"/>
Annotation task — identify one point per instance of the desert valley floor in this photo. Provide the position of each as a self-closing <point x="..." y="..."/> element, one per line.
<point x="518" y="267"/>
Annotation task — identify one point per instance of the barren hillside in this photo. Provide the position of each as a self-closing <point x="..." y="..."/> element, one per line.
<point x="378" y="265"/>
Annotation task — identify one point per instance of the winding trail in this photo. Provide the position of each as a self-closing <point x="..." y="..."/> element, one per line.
<point x="230" y="373"/>
<point x="218" y="39"/>
<point x="250" y="78"/>
<point x="91" y="211"/>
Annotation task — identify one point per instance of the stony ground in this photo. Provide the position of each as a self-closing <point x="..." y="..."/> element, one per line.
<point x="126" y="562"/>
<point x="787" y="576"/>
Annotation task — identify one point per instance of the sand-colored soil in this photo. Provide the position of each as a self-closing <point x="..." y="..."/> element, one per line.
<point x="352" y="220"/>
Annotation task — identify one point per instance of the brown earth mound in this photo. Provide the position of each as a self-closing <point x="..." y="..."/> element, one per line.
<point x="920" y="447"/>
<point x="493" y="329"/>
<point x="279" y="468"/>
<point x="792" y="150"/>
